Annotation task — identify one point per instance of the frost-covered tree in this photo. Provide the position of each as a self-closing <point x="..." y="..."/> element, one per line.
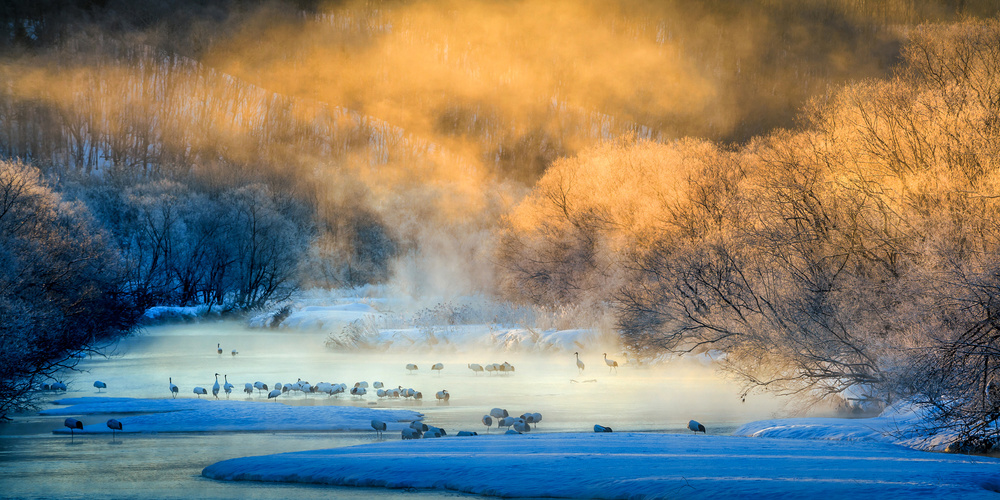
<point x="60" y="285"/>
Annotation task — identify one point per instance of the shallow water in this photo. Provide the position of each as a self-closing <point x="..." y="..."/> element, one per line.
<point x="38" y="464"/>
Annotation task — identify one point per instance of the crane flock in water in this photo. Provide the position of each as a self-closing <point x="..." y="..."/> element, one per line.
<point x="514" y="425"/>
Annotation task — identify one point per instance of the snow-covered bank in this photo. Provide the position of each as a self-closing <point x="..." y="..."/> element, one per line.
<point x="202" y="415"/>
<point x="632" y="465"/>
<point x="900" y="425"/>
<point x="317" y="317"/>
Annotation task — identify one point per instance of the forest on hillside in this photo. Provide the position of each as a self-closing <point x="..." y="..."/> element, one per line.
<point x="807" y="187"/>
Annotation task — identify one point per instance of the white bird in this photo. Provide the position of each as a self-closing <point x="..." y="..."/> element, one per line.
<point x="235" y="352"/>
<point x="380" y="393"/>
<point x="521" y="426"/>
<point x="379" y="427"/>
<point x="59" y="386"/>
<point x="411" y="367"/>
<point x="361" y="384"/>
<point x="418" y="395"/>
<point x="227" y="386"/>
<point x="612" y="364"/>
<point x="100" y="385"/>
<point x="260" y="386"/>
<point x="528" y="417"/>
<point x="73" y="424"/>
<point x="476" y="368"/>
<point x="499" y="413"/>
<point x="200" y="390"/>
<point x="274" y="394"/>
<point x="419" y="425"/>
<point x="218" y="348"/>
<point x="579" y="364"/>
<point x="437" y="367"/>
<point x="506" y="422"/>
<point x="377" y="385"/>
<point x="358" y="391"/>
<point x="248" y="388"/>
<point x="216" y="387"/>
<point x="443" y="395"/>
<point x="492" y="367"/>
<point x="488" y="422"/>
<point x="114" y="425"/>
<point x="696" y="426"/>
<point x="173" y="388"/>
<point x="409" y="433"/>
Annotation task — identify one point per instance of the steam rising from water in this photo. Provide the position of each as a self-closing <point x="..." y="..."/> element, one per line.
<point x="437" y="116"/>
<point x="661" y="398"/>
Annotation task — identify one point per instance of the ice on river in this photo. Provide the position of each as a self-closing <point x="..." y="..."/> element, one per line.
<point x="633" y="465"/>
<point x="202" y="415"/>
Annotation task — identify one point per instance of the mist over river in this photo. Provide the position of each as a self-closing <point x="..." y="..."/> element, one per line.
<point x="39" y="464"/>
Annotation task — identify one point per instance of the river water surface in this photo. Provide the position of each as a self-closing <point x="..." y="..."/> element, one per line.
<point x="38" y="464"/>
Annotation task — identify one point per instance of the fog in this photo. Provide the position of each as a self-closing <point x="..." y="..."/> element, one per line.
<point x="640" y="398"/>
<point x="636" y="398"/>
<point x="436" y="117"/>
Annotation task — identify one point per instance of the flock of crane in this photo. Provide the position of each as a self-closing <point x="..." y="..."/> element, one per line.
<point x="359" y="390"/>
<point x="416" y="429"/>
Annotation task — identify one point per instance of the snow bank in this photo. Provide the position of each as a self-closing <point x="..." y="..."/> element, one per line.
<point x="165" y="313"/>
<point x="203" y="415"/>
<point x="317" y="317"/>
<point x="632" y="465"/>
<point x="900" y="425"/>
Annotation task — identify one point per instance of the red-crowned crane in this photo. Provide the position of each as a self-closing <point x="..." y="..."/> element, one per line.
<point x="579" y="364"/>
<point x="476" y="368"/>
<point x="216" y="387"/>
<point x="437" y="368"/>
<point x="612" y="364"/>
<point x="488" y="422"/>
<point x="200" y="391"/>
<point x="114" y="425"/>
<point x="218" y="349"/>
<point x="73" y="424"/>
<point x="227" y="386"/>
<point x="173" y="388"/>
<point x="100" y="385"/>
<point x="696" y="426"/>
<point x="379" y="427"/>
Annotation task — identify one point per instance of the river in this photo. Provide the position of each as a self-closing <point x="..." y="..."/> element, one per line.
<point x="39" y="464"/>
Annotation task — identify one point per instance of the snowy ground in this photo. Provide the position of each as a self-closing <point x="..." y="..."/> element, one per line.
<point x="632" y="465"/>
<point x="202" y="415"/>
<point x="900" y="425"/>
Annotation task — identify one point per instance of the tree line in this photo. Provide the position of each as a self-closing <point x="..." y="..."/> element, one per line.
<point x="855" y="257"/>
